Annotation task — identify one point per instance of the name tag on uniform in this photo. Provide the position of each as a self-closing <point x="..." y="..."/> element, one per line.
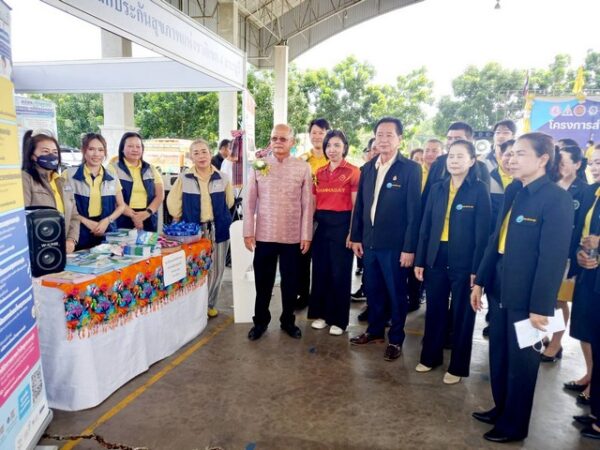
<point x="524" y="219"/>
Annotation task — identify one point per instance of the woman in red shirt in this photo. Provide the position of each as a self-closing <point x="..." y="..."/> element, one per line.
<point x="335" y="190"/>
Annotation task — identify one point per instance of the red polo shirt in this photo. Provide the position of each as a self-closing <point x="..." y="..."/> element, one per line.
<point x="333" y="190"/>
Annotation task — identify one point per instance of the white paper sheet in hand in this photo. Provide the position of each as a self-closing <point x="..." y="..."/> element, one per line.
<point x="527" y="335"/>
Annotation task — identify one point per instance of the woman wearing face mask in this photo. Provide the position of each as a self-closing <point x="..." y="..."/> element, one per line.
<point x="454" y="231"/>
<point x="142" y="185"/>
<point x="521" y="270"/>
<point x="203" y="195"/>
<point x="571" y="174"/>
<point x="43" y="186"/>
<point x="335" y="191"/>
<point x="97" y="192"/>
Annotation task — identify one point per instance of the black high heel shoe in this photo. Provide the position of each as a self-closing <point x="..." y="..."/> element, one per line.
<point x="583" y="399"/>
<point x="551" y="359"/>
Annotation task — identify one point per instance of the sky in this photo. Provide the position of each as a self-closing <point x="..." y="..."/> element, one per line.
<point x="444" y="35"/>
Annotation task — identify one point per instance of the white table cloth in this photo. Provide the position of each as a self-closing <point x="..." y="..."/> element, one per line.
<point x="81" y="373"/>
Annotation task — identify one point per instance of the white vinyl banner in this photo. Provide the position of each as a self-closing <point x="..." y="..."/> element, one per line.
<point x="162" y="28"/>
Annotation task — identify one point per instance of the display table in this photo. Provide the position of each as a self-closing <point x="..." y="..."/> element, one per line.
<point x="118" y="333"/>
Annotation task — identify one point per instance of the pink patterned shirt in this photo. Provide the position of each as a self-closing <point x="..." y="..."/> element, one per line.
<point x="281" y="201"/>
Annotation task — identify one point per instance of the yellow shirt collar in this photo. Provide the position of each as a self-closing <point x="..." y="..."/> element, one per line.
<point x="88" y="173"/>
<point x="131" y="166"/>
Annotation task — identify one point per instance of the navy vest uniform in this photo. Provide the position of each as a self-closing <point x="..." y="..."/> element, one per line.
<point x="126" y="180"/>
<point x="81" y="191"/>
<point x="191" y="202"/>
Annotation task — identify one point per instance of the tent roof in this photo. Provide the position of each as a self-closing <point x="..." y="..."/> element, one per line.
<point x="114" y="75"/>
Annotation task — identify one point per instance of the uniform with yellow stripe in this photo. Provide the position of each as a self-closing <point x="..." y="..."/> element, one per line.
<point x="95" y="198"/>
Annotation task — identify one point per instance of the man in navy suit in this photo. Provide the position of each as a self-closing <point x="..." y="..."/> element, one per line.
<point x="384" y="232"/>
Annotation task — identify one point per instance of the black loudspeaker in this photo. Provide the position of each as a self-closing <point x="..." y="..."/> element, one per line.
<point x="46" y="236"/>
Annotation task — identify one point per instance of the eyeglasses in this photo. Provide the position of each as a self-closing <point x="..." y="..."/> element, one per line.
<point x="279" y="139"/>
<point x="42" y="132"/>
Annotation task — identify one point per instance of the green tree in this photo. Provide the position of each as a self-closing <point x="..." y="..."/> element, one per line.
<point x="481" y="97"/>
<point x="592" y="70"/>
<point x="182" y="115"/>
<point x="76" y="114"/>
<point x="556" y="79"/>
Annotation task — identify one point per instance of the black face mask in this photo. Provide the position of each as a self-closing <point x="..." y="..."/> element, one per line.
<point x="48" y="162"/>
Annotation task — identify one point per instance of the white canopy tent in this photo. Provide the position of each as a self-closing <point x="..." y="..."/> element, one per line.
<point x="114" y="75"/>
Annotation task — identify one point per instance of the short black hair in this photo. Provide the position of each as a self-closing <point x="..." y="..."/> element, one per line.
<point x="504" y="146"/>
<point x="568" y="142"/>
<point x="320" y="122"/>
<point x="506" y="123"/>
<point x="415" y="151"/>
<point x="468" y="129"/>
<point x="590" y="142"/>
<point x="397" y="123"/>
<point x="224" y="143"/>
<point x="370" y="144"/>
<point x="335" y="133"/>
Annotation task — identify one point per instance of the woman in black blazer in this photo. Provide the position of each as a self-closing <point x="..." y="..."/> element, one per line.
<point x="454" y="231"/>
<point x="571" y="177"/>
<point x="585" y="314"/>
<point x="521" y="271"/>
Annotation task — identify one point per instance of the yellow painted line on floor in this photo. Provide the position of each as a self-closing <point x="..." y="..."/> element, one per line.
<point x="139" y="391"/>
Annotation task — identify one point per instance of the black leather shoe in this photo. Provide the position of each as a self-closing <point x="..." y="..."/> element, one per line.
<point x="486" y="416"/>
<point x="590" y="432"/>
<point x="584" y="420"/>
<point x="292" y="331"/>
<point x="256" y="332"/>
<point x="574" y="386"/>
<point x="359" y="295"/>
<point x="486" y="331"/>
<point x="495" y="436"/>
<point x="551" y="359"/>
<point x="583" y="399"/>
<point x="392" y="352"/>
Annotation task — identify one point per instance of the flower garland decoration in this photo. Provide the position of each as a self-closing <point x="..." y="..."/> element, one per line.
<point x="261" y="166"/>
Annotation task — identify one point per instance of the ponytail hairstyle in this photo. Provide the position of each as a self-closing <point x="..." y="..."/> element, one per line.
<point x="576" y="156"/>
<point x="31" y="139"/>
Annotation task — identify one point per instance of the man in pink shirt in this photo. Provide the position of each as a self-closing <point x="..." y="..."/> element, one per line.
<point x="278" y="225"/>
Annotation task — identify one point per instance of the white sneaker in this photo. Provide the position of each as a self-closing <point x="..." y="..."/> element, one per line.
<point x="335" y="331"/>
<point x="318" y="324"/>
<point x="422" y="368"/>
<point x="451" y="379"/>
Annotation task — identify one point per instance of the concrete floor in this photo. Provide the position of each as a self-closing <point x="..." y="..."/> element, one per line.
<point x="316" y="393"/>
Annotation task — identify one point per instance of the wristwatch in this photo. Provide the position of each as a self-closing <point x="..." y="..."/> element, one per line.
<point x="149" y="211"/>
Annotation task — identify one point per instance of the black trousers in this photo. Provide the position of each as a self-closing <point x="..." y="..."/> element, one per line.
<point x="331" y="269"/>
<point x="304" y="274"/>
<point x="415" y="288"/>
<point x="513" y="371"/>
<point x="266" y="255"/>
<point x="440" y="282"/>
<point x="594" y="312"/>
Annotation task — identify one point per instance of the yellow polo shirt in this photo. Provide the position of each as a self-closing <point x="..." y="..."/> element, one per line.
<point x="587" y="224"/>
<point x="503" y="232"/>
<point x="446" y="229"/>
<point x="425" y="174"/>
<point x="315" y="162"/>
<point x="57" y="197"/>
<point x="506" y="178"/>
<point x="175" y="197"/>
<point x="138" y="198"/>
<point x="95" y="184"/>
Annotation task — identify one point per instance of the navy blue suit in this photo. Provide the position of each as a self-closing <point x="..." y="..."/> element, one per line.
<point x="395" y="230"/>
<point x="448" y="268"/>
<point x="524" y="280"/>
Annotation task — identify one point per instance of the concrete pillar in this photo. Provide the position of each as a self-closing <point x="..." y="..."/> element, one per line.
<point x="280" y="98"/>
<point x="228" y="28"/>
<point x="118" y="108"/>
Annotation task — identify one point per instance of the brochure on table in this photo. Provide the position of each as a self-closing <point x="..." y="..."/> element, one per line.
<point x="24" y="412"/>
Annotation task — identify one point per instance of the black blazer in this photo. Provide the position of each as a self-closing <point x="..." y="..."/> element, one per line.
<point x="469" y="225"/>
<point x="587" y="200"/>
<point x="537" y="246"/>
<point x="398" y="213"/>
<point x="438" y="172"/>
